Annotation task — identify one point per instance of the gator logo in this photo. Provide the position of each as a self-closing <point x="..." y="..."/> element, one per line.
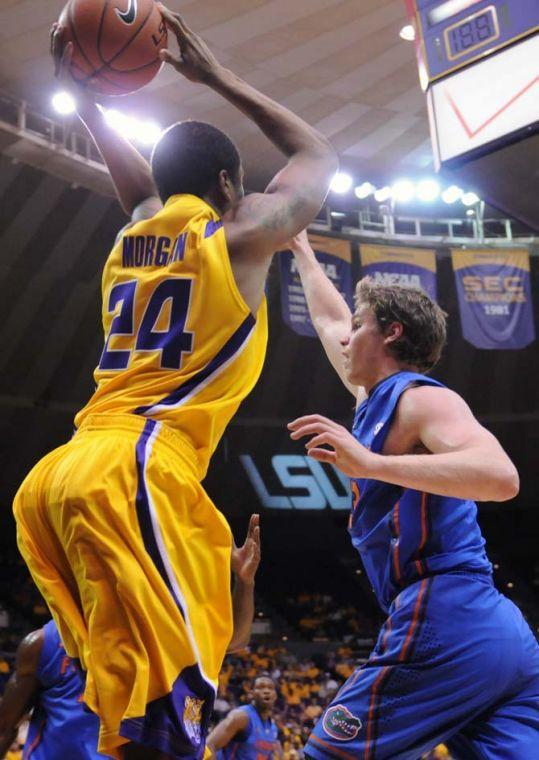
<point x="340" y="724"/>
<point x="130" y="13"/>
<point x="192" y="718"/>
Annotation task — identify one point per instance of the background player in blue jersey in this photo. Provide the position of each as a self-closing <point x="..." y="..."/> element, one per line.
<point x="249" y="732"/>
<point x="455" y="661"/>
<point x="46" y="680"/>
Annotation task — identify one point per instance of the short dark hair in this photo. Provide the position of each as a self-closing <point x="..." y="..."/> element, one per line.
<point x="189" y="156"/>
<point x="423" y="321"/>
<point x="264" y="675"/>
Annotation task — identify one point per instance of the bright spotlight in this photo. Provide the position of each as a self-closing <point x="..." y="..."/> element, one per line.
<point x="145" y="132"/>
<point x="470" y="199"/>
<point x="341" y="183"/>
<point x="407" y="33"/>
<point x="148" y="132"/>
<point x="403" y="190"/>
<point x="428" y="190"/>
<point x="63" y="103"/>
<point x="115" y="119"/>
<point x="382" y="194"/>
<point x="364" y="190"/>
<point x="451" y="194"/>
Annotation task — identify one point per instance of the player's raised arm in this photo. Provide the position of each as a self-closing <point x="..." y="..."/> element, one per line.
<point x="21" y="689"/>
<point x="329" y="311"/>
<point x="130" y="172"/>
<point x="245" y="561"/>
<point x="262" y="222"/>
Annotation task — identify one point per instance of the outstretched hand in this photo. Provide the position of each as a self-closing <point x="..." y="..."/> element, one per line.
<point x="246" y="558"/>
<point x="62" y="54"/>
<point x="195" y="60"/>
<point x="299" y="243"/>
<point x="347" y="454"/>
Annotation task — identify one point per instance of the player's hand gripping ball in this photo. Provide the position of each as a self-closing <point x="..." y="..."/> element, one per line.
<point x="116" y="43"/>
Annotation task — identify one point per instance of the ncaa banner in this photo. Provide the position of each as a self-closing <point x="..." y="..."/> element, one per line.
<point x="335" y="257"/>
<point x="494" y="294"/>
<point x="400" y="266"/>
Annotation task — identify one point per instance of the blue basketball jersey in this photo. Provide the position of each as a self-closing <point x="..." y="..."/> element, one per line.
<point x="257" y="743"/>
<point x="404" y="535"/>
<point x="60" y="726"/>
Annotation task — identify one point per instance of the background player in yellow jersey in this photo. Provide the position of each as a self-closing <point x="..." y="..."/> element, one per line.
<point x="124" y="544"/>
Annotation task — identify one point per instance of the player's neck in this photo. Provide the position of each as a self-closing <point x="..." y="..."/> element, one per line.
<point x="216" y="205"/>
<point x="264" y="712"/>
<point x="381" y="374"/>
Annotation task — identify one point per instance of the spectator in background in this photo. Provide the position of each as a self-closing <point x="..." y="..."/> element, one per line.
<point x="4" y="617"/>
<point x="221" y="707"/>
<point x="328" y="688"/>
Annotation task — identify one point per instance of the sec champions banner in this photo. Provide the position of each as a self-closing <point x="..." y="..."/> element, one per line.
<point x="494" y="297"/>
<point x="335" y="258"/>
<point x="400" y="266"/>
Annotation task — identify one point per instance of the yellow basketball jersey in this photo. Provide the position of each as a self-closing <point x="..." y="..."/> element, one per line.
<point x="181" y="345"/>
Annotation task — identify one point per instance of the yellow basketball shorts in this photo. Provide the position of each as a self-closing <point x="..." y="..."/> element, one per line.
<point x="133" y="560"/>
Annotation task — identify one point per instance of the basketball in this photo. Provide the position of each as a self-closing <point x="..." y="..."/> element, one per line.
<point x="116" y="43"/>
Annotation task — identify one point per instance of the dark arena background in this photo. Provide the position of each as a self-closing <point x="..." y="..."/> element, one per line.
<point x="316" y="616"/>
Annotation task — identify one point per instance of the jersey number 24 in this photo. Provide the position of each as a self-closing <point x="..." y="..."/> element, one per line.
<point x="172" y="343"/>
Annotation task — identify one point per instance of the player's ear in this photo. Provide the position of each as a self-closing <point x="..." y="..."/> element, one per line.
<point x="226" y="186"/>
<point x="393" y="332"/>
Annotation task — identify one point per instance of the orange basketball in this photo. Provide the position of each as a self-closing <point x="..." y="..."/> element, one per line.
<point x="116" y="43"/>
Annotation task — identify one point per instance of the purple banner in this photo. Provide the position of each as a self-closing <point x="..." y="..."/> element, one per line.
<point x="335" y="257"/>
<point x="410" y="267"/>
<point x="494" y="295"/>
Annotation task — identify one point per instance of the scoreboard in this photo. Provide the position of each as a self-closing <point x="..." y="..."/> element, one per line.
<point x="454" y="33"/>
<point x="479" y="65"/>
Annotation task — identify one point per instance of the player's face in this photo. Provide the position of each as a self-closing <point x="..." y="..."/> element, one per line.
<point x="264" y="693"/>
<point x="364" y="347"/>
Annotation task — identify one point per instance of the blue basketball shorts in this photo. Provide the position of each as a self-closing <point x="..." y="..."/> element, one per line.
<point x="455" y="662"/>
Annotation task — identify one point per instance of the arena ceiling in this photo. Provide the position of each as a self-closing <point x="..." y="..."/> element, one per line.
<point x="340" y="64"/>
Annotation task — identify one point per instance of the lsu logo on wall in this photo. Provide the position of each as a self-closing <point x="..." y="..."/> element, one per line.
<point x="297" y="482"/>
<point x="409" y="267"/>
<point x="192" y="718"/>
<point x="340" y="724"/>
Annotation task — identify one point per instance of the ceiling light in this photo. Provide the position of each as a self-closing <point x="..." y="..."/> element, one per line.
<point x="341" y="183"/>
<point x="338" y="214"/>
<point x="364" y="190"/>
<point x="63" y="103"/>
<point x="148" y="132"/>
<point x="451" y="194"/>
<point x="470" y="212"/>
<point x="145" y="132"/>
<point x="116" y="120"/>
<point x="403" y="190"/>
<point x="382" y="194"/>
<point x="469" y="199"/>
<point x="428" y="190"/>
<point x="407" y="33"/>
